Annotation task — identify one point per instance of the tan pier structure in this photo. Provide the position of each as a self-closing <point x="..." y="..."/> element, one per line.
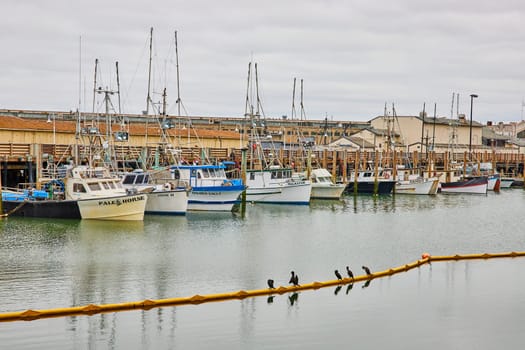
<point x="31" y="140"/>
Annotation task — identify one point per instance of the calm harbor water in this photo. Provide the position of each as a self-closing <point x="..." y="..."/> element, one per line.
<point x="476" y="304"/>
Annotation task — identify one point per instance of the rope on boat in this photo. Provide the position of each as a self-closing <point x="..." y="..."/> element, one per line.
<point x="92" y="309"/>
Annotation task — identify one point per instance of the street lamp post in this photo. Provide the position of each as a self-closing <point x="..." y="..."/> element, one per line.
<point x="472" y="97"/>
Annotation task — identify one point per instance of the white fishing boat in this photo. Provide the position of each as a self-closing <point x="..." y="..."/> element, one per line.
<point x="267" y="180"/>
<point x="276" y="185"/>
<point x="101" y="196"/>
<point x="409" y="181"/>
<point x="163" y="199"/>
<point x="323" y="187"/>
<point x="211" y="190"/>
<point x="418" y="186"/>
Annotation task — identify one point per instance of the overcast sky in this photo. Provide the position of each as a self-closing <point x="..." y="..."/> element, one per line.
<point x="353" y="56"/>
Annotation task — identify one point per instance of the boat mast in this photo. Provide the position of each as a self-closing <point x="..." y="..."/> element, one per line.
<point x="434" y="129"/>
<point x="95" y="84"/>
<point x="303" y="113"/>
<point x="177" y="66"/>
<point x="248" y="112"/>
<point x="422" y="133"/>
<point x="118" y="89"/>
<point x="148" y="98"/>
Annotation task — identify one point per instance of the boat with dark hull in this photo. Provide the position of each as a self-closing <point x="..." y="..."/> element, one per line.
<point x="367" y="187"/>
<point x="40" y="203"/>
<point x="474" y="185"/>
<point x="47" y="208"/>
<point x="366" y="182"/>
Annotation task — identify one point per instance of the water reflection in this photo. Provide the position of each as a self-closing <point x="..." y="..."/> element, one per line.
<point x="332" y="205"/>
<point x="292" y="299"/>
<point x="337" y="289"/>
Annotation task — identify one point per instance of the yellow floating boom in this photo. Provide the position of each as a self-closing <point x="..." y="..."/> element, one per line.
<point x="147" y="304"/>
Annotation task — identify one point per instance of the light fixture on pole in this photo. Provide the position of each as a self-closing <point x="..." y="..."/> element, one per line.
<point x="54" y="129"/>
<point x="472" y="97"/>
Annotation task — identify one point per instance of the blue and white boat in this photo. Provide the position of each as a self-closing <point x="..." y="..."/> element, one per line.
<point x="211" y="190"/>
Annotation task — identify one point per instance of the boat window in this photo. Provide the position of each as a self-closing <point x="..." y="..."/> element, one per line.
<point x="106" y="185"/>
<point x="199" y="175"/>
<point x="274" y="175"/>
<point x="146" y="178"/>
<point x="176" y="174"/>
<point x="128" y="179"/>
<point x="221" y="173"/>
<point x="252" y="176"/>
<point x="205" y="173"/>
<point x="193" y="172"/>
<point x="79" y="188"/>
<point x="140" y="179"/>
<point x="367" y="174"/>
<point x="115" y="185"/>
<point x="94" y="186"/>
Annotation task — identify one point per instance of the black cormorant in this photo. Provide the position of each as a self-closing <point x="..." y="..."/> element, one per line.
<point x="350" y="273"/>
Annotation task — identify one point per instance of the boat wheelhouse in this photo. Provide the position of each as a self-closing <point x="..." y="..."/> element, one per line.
<point x="276" y="185"/>
<point x="211" y="190"/>
<point x="163" y="199"/>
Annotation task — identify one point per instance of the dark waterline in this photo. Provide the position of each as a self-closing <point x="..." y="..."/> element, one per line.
<point x="49" y="264"/>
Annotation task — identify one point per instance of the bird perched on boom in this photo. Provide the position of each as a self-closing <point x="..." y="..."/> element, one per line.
<point x="367" y="270"/>
<point x="294" y="279"/>
<point x="270" y="284"/>
<point x="338" y="275"/>
<point x="350" y="273"/>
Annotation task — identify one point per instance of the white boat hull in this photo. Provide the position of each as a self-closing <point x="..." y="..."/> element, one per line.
<point x="212" y="200"/>
<point x="322" y="191"/>
<point x="280" y="193"/>
<point x="126" y="207"/>
<point x="506" y="183"/>
<point x="494" y="183"/>
<point x="427" y="187"/>
<point x="173" y="202"/>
